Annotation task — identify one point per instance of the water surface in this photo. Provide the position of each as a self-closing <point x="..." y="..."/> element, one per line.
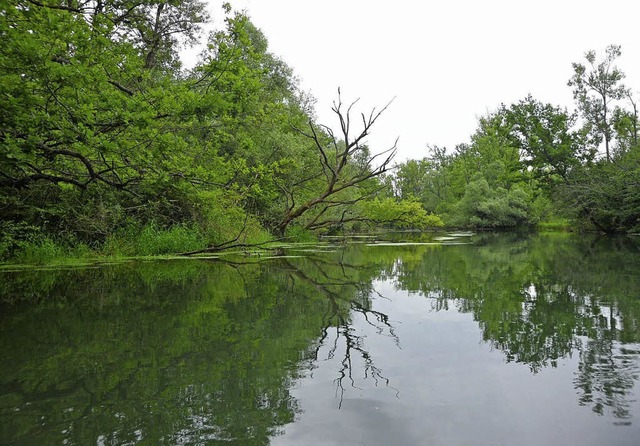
<point x="504" y="339"/>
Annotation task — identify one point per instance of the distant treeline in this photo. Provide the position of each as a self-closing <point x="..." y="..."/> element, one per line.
<point x="532" y="163"/>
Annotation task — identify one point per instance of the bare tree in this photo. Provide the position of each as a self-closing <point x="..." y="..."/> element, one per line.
<point x="344" y="163"/>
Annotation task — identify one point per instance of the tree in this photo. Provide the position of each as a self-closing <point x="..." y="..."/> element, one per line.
<point x="625" y="124"/>
<point x="496" y="156"/>
<point x="340" y="175"/>
<point x="544" y="133"/>
<point x="80" y="106"/>
<point x="486" y="207"/>
<point x="596" y="89"/>
<point x="420" y="180"/>
<point x="92" y="136"/>
<point x="399" y="214"/>
<point x="606" y="194"/>
<point x="156" y="28"/>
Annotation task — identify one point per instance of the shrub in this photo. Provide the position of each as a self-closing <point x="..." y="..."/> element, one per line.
<point x="482" y="207"/>
<point x="153" y="240"/>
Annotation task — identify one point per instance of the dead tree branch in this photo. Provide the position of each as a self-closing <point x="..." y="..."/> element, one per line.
<point x="338" y="159"/>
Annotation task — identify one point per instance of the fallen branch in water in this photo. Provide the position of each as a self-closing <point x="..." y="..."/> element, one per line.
<point x="227" y="245"/>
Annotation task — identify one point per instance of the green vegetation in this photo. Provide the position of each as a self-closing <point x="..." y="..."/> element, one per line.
<point x="108" y="143"/>
<point x="533" y="164"/>
<point x="109" y="146"/>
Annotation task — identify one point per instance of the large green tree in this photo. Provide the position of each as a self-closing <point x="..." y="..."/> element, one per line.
<point x="82" y="105"/>
<point x="421" y="180"/>
<point x="545" y="134"/>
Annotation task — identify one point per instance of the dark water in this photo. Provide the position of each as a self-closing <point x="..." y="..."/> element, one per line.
<point x="508" y="340"/>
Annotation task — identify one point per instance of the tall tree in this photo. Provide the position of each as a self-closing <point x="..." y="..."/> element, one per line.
<point x="89" y="129"/>
<point x="549" y="145"/>
<point x="80" y="105"/>
<point x="595" y="89"/>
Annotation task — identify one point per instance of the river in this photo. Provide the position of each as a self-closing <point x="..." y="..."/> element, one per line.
<point x="466" y="339"/>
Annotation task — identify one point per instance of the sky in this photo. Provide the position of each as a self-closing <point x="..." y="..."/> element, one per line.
<point x="444" y="64"/>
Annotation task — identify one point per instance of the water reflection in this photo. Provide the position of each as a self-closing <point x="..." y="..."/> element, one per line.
<point x="219" y="352"/>
<point x="542" y="298"/>
<point x="170" y="354"/>
<point x="347" y="296"/>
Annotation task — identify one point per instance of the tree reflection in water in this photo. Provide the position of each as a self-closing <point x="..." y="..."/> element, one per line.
<point x="191" y="351"/>
<point x="346" y="298"/>
<point x="542" y="298"/>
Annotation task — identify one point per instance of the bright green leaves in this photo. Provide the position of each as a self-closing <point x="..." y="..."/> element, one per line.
<point x="99" y="124"/>
<point x="399" y="214"/>
<point x="421" y="180"/>
<point x="70" y="115"/>
<point x="81" y="106"/>
<point x="476" y="185"/>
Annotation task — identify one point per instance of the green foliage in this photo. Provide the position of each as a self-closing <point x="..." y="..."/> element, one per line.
<point x="106" y="142"/>
<point x="299" y="234"/>
<point x="15" y="236"/>
<point x="26" y="244"/>
<point x="483" y="207"/>
<point x="605" y="196"/>
<point x="152" y="240"/>
<point x="533" y="162"/>
<point x="43" y="250"/>
<point x="549" y="146"/>
<point x="625" y="125"/>
<point x="388" y="212"/>
<point x="530" y="162"/>
<point x="40" y="252"/>
<point x="422" y="180"/>
<point x="555" y="224"/>
<point x="103" y="134"/>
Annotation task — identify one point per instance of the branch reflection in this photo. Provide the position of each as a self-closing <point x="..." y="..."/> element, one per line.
<point x="346" y="297"/>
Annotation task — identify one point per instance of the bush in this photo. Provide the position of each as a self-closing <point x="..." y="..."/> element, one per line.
<point x="299" y="234"/>
<point x="153" y="240"/>
<point x="400" y="214"/>
<point x="40" y="252"/>
<point x="16" y="236"/>
<point x="482" y="207"/>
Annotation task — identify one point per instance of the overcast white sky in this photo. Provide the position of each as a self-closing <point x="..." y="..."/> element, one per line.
<point x="446" y="62"/>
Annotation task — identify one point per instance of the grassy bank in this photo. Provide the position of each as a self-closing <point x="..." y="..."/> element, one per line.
<point x="29" y="247"/>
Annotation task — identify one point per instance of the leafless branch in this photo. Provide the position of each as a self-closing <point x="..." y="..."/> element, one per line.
<point x="338" y="178"/>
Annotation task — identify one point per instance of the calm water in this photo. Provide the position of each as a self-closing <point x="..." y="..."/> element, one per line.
<point x="504" y="340"/>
